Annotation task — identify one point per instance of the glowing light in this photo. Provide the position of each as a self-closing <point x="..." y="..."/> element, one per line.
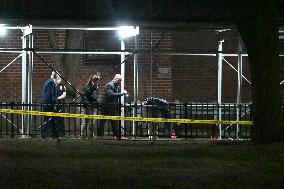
<point x="3" y="30"/>
<point x="128" y="31"/>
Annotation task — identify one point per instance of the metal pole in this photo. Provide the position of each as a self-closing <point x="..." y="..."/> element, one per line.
<point x="220" y="56"/>
<point x="239" y="84"/>
<point x="30" y="77"/>
<point x="151" y="62"/>
<point x="24" y="76"/>
<point x="236" y="69"/>
<point x="135" y="95"/>
<point x="137" y="68"/>
<point x="122" y="70"/>
<point x="10" y="63"/>
<point x="77" y="28"/>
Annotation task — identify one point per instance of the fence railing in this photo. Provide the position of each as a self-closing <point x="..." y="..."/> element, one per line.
<point x="17" y="125"/>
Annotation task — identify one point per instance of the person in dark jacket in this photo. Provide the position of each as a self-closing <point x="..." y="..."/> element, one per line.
<point x="61" y="93"/>
<point x="110" y="104"/>
<point x="49" y="99"/>
<point x="90" y="101"/>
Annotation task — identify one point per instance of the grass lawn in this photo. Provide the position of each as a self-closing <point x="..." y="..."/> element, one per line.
<point x="33" y="163"/>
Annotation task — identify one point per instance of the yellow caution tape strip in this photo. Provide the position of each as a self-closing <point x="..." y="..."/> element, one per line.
<point x="192" y="121"/>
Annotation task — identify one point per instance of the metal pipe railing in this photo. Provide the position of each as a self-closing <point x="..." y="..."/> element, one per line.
<point x="10" y="124"/>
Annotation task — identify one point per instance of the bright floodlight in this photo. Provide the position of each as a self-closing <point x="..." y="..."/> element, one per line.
<point x="3" y="30"/>
<point x="128" y="31"/>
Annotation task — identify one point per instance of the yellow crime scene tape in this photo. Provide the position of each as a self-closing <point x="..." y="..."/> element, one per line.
<point x="69" y="115"/>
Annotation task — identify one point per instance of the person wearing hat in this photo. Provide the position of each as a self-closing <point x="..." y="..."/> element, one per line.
<point x="89" y="99"/>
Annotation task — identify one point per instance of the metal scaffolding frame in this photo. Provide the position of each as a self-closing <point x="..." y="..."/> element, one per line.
<point x="27" y="42"/>
<point x="27" y="49"/>
<point x="27" y="45"/>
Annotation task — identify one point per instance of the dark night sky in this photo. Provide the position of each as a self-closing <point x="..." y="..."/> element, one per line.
<point x="139" y="11"/>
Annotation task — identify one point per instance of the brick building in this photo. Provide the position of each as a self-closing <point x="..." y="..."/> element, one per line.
<point x="172" y="77"/>
<point x="183" y="78"/>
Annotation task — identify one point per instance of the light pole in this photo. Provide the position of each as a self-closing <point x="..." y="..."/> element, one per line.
<point x="125" y="32"/>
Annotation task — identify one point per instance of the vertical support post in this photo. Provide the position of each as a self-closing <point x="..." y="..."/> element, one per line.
<point x="151" y="62"/>
<point x="220" y="56"/>
<point x="122" y="70"/>
<point x="135" y="84"/>
<point x="30" y="76"/>
<point x="240" y="73"/>
<point x="137" y="68"/>
<point x="24" y="77"/>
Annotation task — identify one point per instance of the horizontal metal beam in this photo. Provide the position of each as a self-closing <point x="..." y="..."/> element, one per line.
<point x="78" y="51"/>
<point x="84" y="52"/>
<point x="185" y="54"/>
<point x="62" y="28"/>
<point x="76" y="28"/>
<point x="232" y="55"/>
<point x="63" y="51"/>
<point x="12" y="27"/>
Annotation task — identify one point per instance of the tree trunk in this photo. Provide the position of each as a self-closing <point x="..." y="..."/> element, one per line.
<point x="58" y="58"/>
<point x="70" y="67"/>
<point x="68" y="63"/>
<point x="258" y="24"/>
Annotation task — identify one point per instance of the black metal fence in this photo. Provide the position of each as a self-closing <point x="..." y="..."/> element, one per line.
<point x="15" y="125"/>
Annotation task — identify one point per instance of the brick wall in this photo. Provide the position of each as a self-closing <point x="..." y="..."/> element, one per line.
<point x="195" y="78"/>
<point x="10" y="81"/>
<point x="183" y="78"/>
